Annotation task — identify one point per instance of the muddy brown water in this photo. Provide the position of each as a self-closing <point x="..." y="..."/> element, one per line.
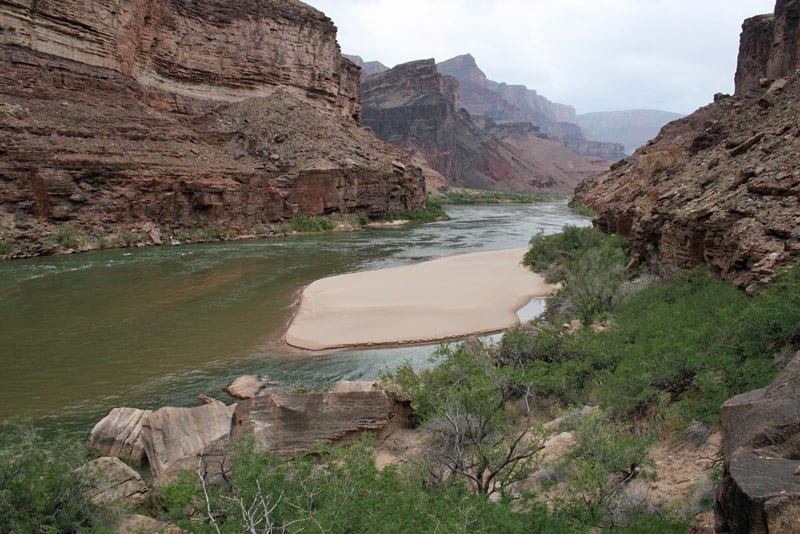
<point x="84" y="333"/>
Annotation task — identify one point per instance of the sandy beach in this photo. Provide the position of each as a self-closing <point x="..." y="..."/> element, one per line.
<point x="435" y="300"/>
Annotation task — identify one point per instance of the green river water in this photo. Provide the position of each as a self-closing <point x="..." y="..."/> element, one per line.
<point x="152" y="327"/>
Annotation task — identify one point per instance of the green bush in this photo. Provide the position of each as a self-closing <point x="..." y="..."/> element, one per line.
<point x="41" y="485"/>
<point x="307" y="224"/>
<point x="338" y="490"/>
<point x="590" y="266"/>
<point x="675" y="350"/>
<point x="433" y="211"/>
<point x="499" y="197"/>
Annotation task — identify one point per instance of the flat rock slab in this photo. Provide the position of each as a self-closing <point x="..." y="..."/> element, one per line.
<point x="292" y="424"/>
<point x="450" y="297"/>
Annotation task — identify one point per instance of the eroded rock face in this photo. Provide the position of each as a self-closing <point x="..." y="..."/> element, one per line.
<point x="119" y="434"/>
<point x="760" y="489"/>
<point x="770" y="47"/>
<point x="123" y="117"/>
<point x="291" y="424"/>
<point x="414" y="107"/>
<point x="720" y="187"/>
<point x="179" y="438"/>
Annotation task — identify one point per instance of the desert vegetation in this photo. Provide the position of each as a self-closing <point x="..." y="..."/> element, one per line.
<point x="654" y="356"/>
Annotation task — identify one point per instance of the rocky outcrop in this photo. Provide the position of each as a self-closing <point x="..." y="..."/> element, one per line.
<point x="769" y="47"/>
<point x="416" y="108"/>
<point x="630" y="128"/>
<point x="119" y="434"/>
<point x="131" y="120"/>
<point x="721" y="187"/>
<point x="760" y="489"/>
<point x="115" y="482"/>
<point x="176" y="439"/>
<point x="291" y="424"/>
<point x="516" y="103"/>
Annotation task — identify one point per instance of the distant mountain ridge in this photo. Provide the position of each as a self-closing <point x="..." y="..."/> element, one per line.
<point x="631" y="128"/>
<point x="367" y="67"/>
<point x="415" y="107"/>
<point x="516" y="103"/>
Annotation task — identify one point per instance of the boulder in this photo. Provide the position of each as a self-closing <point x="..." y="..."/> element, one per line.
<point x="292" y="424"/>
<point x="119" y="434"/>
<point x="250" y="386"/>
<point x="760" y="489"/>
<point x="115" y="482"/>
<point x="182" y="438"/>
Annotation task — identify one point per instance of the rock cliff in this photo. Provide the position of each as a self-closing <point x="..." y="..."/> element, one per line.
<point x="416" y="108"/>
<point x="769" y="47"/>
<point x="145" y="117"/>
<point x="720" y="186"/>
<point x="516" y="103"/>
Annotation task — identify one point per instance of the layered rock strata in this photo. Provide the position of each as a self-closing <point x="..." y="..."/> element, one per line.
<point x="416" y="108"/>
<point x="720" y="187"/>
<point x="143" y="117"/>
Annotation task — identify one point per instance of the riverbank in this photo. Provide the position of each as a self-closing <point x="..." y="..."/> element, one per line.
<point x="446" y="298"/>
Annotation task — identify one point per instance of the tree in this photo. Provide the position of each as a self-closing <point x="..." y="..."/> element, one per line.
<point x="479" y="416"/>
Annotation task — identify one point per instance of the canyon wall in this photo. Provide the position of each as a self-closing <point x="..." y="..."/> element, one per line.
<point x="721" y="186"/>
<point x="516" y="103"/>
<point x="414" y="107"/>
<point x="769" y="46"/>
<point x="145" y="118"/>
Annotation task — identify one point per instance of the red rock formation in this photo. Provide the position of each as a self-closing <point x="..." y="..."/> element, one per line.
<point x="721" y="186"/>
<point x="144" y="118"/>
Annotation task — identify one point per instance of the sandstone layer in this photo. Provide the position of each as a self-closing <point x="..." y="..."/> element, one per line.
<point x="720" y="187"/>
<point x="416" y="108"/>
<point x="291" y="424"/>
<point x="131" y="120"/>
<point x="199" y="439"/>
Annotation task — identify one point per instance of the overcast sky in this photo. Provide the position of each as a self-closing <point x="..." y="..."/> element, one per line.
<point x="596" y="55"/>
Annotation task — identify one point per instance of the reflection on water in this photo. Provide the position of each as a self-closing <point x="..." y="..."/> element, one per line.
<point x="81" y="334"/>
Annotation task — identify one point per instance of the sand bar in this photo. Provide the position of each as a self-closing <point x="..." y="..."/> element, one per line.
<point x="431" y="301"/>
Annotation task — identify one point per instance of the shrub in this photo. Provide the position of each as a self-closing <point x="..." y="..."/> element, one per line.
<point x="433" y="211"/>
<point x="589" y="264"/>
<point x="307" y="224"/>
<point x="41" y="485"/>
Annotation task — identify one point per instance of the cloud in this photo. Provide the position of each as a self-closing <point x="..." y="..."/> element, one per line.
<point x="614" y="54"/>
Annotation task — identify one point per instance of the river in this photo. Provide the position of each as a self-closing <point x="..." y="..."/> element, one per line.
<point x="151" y="327"/>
